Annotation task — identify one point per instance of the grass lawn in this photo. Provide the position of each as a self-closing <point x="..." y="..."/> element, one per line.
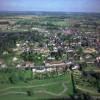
<point x="59" y="86"/>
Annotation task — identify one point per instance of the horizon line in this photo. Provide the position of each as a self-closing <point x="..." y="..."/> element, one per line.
<point x="48" y="11"/>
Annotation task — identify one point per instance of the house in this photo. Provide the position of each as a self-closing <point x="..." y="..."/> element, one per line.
<point x="26" y="64"/>
<point x="1" y="61"/>
<point x="14" y="59"/>
<point x="69" y="63"/>
<point x="89" y="50"/>
<point x="55" y="64"/>
<point x="5" y="53"/>
<point x="2" y="64"/>
<point x="42" y="69"/>
<point x="70" y="51"/>
<point x="75" y="67"/>
<point x="35" y="70"/>
<point x="49" y="58"/>
<point x="41" y="50"/>
<point x="55" y="49"/>
<point x="98" y="61"/>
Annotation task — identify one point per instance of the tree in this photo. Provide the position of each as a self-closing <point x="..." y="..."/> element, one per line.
<point x="29" y="92"/>
<point x="73" y="83"/>
<point x="80" y="51"/>
<point x="97" y="77"/>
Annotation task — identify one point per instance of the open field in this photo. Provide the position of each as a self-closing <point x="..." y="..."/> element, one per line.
<point x="41" y="89"/>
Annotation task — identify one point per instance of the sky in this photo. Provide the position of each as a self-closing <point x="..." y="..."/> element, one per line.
<point x="51" y="5"/>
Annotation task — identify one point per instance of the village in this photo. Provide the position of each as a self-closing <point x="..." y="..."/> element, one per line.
<point x="44" y="47"/>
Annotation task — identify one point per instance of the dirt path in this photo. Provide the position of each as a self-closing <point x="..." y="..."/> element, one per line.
<point x="54" y="94"/>
<point x="30" y="86"/>
<point x="39" y="91"/>
<point x="88" y="91"/>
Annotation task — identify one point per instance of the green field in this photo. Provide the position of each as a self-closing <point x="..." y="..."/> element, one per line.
<point x="60" y="86"/>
